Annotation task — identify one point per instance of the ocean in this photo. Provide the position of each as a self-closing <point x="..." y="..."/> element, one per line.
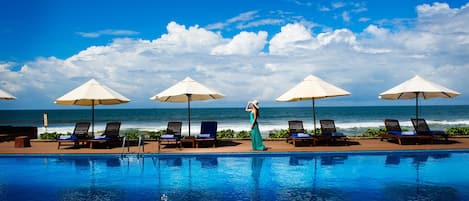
<point x="350" y="120"/>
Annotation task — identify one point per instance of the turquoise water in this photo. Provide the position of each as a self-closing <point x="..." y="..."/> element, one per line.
<point x="350" y="120"/>
<point x="431" y="175"/>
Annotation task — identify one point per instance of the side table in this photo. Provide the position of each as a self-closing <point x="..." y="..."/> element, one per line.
<point x="189" y="139"/>
<point x="22" y="141"/>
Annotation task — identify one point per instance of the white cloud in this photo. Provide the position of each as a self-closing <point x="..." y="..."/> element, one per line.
<point x="5" y="66"/>
<point x="258" y="23"/>
<point x="215" y="26"/>
<point x="339" y="4"/>
<point x="291" y="38"/>
<point x="243" y="17"/>
<point x="343" y="36"/>
<point x="245" y="43"/>
<point x="436" y="9"/>
<point x="324" y="9"/>
<point x="346" y="16"/>
<point x="240" y="19"/>
<point x="110" y="32"/>
<point x="194" y="39"/>
<point x="363" y="19"/>
<point x="376" y="31"/>
<point x="364" y="63"/>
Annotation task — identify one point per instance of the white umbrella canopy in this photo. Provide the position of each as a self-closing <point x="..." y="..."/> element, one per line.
<point x="417" y="87"/>
<point x="312" y="88"/>
<point x="178" y="92"/>
<point x="187" y="90"/>
<point x="6" y="96"/>
<point x="92" y="93"/>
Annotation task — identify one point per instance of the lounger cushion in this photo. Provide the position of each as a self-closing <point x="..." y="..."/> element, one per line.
<point x="400" y="133"/>
<point x="167" y="136"/>
<point x="205" y="136"/>
<point x="67" y="137"/>
<point x="300" y="135"/>
<point x="100" y="137"/>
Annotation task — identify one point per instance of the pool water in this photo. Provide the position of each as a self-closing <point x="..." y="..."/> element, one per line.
<point x="426" y="175"/>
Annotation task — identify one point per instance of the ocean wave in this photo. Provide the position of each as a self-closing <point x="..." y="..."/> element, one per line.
<point x="348" y="127"/>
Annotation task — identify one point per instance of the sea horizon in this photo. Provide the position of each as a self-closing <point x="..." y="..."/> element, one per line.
<point x="351" y="120"/>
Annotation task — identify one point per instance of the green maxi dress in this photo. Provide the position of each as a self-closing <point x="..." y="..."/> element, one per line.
<point x="256" y="138"/>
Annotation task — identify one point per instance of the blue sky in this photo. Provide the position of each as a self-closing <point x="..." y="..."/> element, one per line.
<point x="244" y="49"/>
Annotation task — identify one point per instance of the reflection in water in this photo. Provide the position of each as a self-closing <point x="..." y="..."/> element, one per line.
<point x="256" y="168"/>
<point x="301" y="160"/>
<point x="388" y="176"/>
<point x="113" y="162"/>
<point x="421" y="190"/>
<point x="207" y="162"/>
<point x="90" y="193"/>
<point x="316" y="188"/>
<point x="333" y="159"/>
<point x="171" y="162"/>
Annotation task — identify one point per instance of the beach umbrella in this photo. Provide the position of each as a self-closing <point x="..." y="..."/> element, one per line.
<point x="418" y="87"/>
<point x="312" y="88"/>
<point x="6" y="96"/>
<point x="187" y="90"/>
<point x="92" y="93"/>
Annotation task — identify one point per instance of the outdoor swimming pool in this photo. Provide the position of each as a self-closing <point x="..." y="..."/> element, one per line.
<point x="432" y="175"/>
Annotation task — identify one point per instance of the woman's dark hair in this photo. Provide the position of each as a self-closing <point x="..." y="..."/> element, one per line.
<point x="258" y="114"/>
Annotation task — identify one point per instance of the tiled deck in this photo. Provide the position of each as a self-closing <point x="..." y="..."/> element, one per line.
<point x="41" y="147"/>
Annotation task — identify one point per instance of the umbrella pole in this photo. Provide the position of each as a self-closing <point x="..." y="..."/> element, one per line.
<point x="314" y="117"/>
<point x="92" y="117"/>
<point x="417" y="108"/>
<point x="189" y="111"/>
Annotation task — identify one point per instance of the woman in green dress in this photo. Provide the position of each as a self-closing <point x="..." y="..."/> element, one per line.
<point x="256" y="138"/>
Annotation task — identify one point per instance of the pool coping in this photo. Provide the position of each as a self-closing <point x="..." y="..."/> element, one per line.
<point x="243" y="154"/>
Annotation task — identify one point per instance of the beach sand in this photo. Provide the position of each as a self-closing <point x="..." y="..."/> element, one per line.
<point x="233" y="146"/>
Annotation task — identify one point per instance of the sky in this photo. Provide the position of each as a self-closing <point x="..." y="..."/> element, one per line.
<point x="243" y="49"/>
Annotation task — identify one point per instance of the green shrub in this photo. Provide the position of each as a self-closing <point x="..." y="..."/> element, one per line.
<point x="228" y="133"/>
<point x="457" y="131"/>
<point x="282" y="133"/>
<point x="243" y="134"/>
<point x="154" y="134"/>
<point x="131" y="133"/>
<point x="318" y="131"/>
<point x="49" y="136"/>
<point x="372" y="132"/>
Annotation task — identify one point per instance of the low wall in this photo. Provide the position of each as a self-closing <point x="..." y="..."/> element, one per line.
<point x="15" y="131"/>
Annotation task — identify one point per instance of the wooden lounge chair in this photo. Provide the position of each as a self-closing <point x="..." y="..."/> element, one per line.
<point x="80" y="134"/>
<point x="394" y="132"/>
<point x="296" y="132"/>
<point x="329" y="132"/>
<point x="422" y="129"/>
<point x="208" y="133"/>
<point x="172" y="135"/>
<point x="110" y="135"/>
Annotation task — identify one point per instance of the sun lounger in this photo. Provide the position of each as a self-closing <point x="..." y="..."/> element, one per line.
<point x="329" y="132"/>
<point x="296" y="132"/>
<point x="394" y="132"/>
<point x="80" y="134"/>
<point x="172" y="135"/>
<point x="422" y="129"/>
<point x="110" y="135"/>
<point x="208" y="133"/>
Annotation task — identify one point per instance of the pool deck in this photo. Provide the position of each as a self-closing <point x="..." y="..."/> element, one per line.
<point x="233" y="146"/>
